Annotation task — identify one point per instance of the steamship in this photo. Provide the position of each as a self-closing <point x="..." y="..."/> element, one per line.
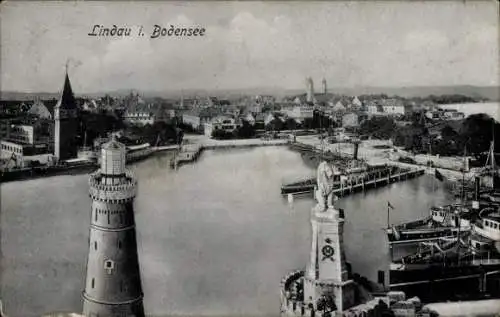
<point x="462" y="267"/>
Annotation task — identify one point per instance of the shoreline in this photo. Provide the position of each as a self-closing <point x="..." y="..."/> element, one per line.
<point x="29" y="174"/>
<point x="374" y="156"/>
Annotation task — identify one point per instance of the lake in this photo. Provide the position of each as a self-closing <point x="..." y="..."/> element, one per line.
<point x="490" y="108"/>
<point x="214" y="237"/>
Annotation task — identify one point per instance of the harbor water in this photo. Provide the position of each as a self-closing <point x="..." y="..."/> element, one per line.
<point x="214" y="237"/>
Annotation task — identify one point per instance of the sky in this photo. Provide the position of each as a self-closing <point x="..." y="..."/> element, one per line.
<point x="248" y="45"/>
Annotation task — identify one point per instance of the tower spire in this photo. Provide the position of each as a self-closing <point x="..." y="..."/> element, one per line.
<point x="65" y="114"/>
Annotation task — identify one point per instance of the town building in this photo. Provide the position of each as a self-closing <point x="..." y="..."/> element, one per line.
<point x="197" y="118"/>
<point x="395" y="107"/>
<point x="43" y="110"/>
<point x="339" y="107"/>
<point x="13" y="108"/>
<point x="433" y="115"/>
<point x="357" y="103"/>
<point x="22" y="134"/>
<point x="15" y="155"/>
<point x="225" y="123"/>
<point x="139" y="117"/>
<point x="350" y="119"/>
<point x="373" y="108"/>
<point x="66" y="124"/>
<point x="137" y="110"/>
<point x="192" y="118"/>
<point x="113" y="281"/>
<point x="295" y="111"/>
<point x="452" y="114"/>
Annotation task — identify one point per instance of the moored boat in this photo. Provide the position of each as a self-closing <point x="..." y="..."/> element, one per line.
<point x="488" y="225"/>
<point x="443" y="222"/>
<point x="454" y="268"/>
<point x="138" y="152"/>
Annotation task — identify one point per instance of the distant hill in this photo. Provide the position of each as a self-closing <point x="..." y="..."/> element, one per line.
<point x="15" y="95"/>
<point x="488" y="92"/>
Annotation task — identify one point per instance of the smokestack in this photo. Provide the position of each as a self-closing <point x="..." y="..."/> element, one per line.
<point x="356" y="147"/>
<point x="477" y="190"/>
<point x="477" y="187"/>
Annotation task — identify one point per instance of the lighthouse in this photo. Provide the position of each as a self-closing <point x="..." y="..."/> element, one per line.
<point x="113" y="282"/>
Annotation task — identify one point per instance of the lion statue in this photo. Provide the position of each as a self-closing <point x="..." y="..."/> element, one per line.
<point x="324" y="193"/>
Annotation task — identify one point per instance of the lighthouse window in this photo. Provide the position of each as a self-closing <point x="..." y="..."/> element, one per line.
<point x="92" y="282"/>
<point x="95" y="245"/>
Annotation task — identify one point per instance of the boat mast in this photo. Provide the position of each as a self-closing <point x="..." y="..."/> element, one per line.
<point x="492" y="148"/>
<point x="461" y="206"/>
<point x="490" y="159"/>
<point x="321" y="132"/>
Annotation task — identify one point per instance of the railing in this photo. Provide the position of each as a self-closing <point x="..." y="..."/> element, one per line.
<point x="371" y="177"/>
<point x="290" y="301"/>
<point x="106" y="192"/>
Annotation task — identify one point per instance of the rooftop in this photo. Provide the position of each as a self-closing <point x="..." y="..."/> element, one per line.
<point x="67" y="100"/>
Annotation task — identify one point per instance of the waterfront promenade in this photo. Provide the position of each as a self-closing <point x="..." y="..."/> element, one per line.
<point x="380" y="152"/>
<point x="194" y="145"/>
<point x="208" y="143"/>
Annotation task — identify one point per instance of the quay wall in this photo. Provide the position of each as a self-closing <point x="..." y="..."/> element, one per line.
<point x="212" y="144"/>
<point x="367" y="151"/>
<point x="191" y="152"/>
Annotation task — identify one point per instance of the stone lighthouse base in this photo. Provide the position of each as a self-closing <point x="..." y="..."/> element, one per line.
<point x="343" y="293"/>
<point x="366" y="303"/>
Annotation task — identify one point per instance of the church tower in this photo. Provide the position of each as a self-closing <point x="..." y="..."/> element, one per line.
<point x="309" y="90"/>
<point x="113" y="283"/>
<point x="326" y="276"/>
<point x="325" y="91"/>
<point x="65" y="116"/>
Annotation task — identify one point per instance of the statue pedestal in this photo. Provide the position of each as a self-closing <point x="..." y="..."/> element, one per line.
<point x="327" y="274"/>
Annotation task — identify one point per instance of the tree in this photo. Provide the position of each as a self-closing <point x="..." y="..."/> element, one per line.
<point x="275" y="125"/>
<point x="246" y="130"/>
<point x="448" y="133"/>
<point x="477" y="132"/>
<point x="378" y="127"/>
<point x="221" y="134"/>
<point x="291" y="124"/>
